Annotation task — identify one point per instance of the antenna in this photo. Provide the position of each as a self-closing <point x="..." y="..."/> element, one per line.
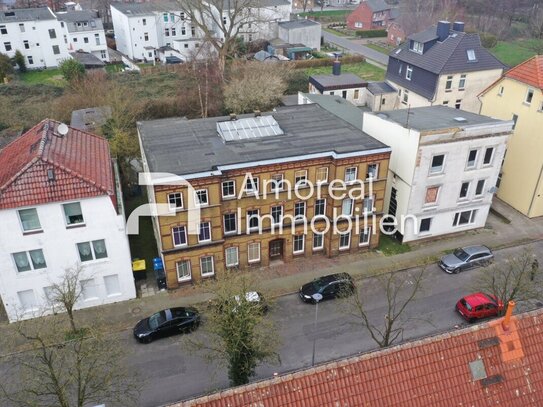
<point x="62" y="129"/>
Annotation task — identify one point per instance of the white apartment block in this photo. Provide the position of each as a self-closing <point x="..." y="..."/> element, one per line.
<point x="46" y="39"/>
<point x="443" y="168"/>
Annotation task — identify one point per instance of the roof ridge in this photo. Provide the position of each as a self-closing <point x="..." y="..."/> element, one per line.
<point x="19" y="173"/>
<point x="445" y="62"/>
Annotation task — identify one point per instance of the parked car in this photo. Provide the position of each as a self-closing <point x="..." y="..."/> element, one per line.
<point x="167" y="322"/>
<point x="465" y="258"/>
<point x="330" y="286"/>
<point x="478" y="305"/>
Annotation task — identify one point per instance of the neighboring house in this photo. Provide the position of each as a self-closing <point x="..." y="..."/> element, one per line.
<point x="518" y="96"/>
<point x="370" y="15"/>
<point x="381" y="96"/>
<point x="60" y="201"/>
<point x="347" y="85"/>
<point x="442" y="66"/>
<point x="395" y="34"/>
<point x="88" y="60"/>
<point x="480" y="365"/>
<point x="307" y="32"/>
<point x="443" y="167"/>
<point x="84" y="31"/>
<point x="231" y="162"/>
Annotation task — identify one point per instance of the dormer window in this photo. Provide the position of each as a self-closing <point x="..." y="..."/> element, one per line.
<point x="418" y="47"/>
<point x="471" y="55"/>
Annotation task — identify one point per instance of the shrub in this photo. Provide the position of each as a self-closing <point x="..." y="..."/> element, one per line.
<point x="5" y="67"/>
<point x="371" y="33"/>
<point x="488" y="40"/>
<point x="72" y="70"/>
<point x="19" y="59"/>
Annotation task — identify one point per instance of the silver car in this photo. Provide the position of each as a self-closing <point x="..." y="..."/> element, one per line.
<point x="465" y="258"/>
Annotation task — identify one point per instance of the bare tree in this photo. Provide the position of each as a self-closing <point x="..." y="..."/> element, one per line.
<point x="536" y="23"/>
<point x="515" y="279"/>
<point x="400" y="290"/>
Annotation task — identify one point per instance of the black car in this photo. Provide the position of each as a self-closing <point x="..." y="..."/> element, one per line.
<point x="331" y="286"/>
<point x="167" y="322"/>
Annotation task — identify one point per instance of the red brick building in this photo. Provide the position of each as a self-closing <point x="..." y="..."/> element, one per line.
<point x="370" y="15"/>
<point x="395" y="34"/>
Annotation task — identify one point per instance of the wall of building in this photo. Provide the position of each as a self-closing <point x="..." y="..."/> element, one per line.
<point x="357" y="96"/>
<point x="522" y="173"/>
<point x="385" y="101"/>
<point x="309" y="36"/>
<point x="95" y="42"/>
<point x="59" y="246"/>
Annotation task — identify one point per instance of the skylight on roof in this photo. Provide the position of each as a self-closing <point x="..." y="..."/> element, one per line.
<point x="471" y="55"/>
<point x="249" y="128"/>
<point x="398" y="51"/>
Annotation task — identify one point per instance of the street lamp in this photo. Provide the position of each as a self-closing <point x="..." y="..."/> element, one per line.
<point x="316" y="297"/>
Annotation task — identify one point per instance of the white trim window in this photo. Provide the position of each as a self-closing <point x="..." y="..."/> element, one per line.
<point x="253" y="252"/>
<point x="437" y="164"/>
<point x="462" y="82"/>
<point x="464" y="218"/>
<point x="201" y="197"/>
<point x="350" y="174"/>
<point x="418" y="47"/>
<point x="112" y="285"/>
<point x="299" y="210"/>
<point x="30" y="222"/>
<point x="347" y="207"/>
<point x="320" y="207"/>
<point x="228" y="189"/>
<point x="73" y="215"/>
<point x="231" y="256"/>
<point x="372" y="171"/>
<point x="300" y="178"/>
<point x="425" y="225"/>
<point x="253" y="219"/>
<point x="251" y="185"/>
<point x="205" y="232"/>
<point x="89" y="290"/>
<point x="480" y="188"/>
<point x="179" y="236"/>
<point x="207" y="266"/>
<point x="183" y="269"/>
<point x="489" y="155"/>
<point x="277" y="183"/>
<point x="318" y="241"/>
<point x="230" y="223"/>
<point x="30" y="260"/>
<point x="364" y="237"/>
<point x="175" y="200"/>
<point x="409" y="72"/>
<point x="529" y="96"/>
<point x="344" y="241"/>
<point x="368" y="205"/>
<point x="322" y="175"/>
<point x="94" y="250"/>
<point x="298" y="243"/>
<point x="27" y="299"/>
<point x="277" y="214"/>
<point x="464" y="190"/>
<point x="472" y="159"/>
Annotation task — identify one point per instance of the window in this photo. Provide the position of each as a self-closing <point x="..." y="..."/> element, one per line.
<point x="231" y="256"/>
<point x="322" y="174"/>
<point x="182" y="16"/>
<point x="347" y="207"/>
<point x="458" y="103"/>
<point x="298" y="244"/>
<point x="489" y="153"/>
<point x="86" y="40"/>
<point x="462" y="83"/>
<point x="89" y="291"/>
<point x="344" y="240"/>
<point x="224" y="20"/>
<point x="405" y="98"/>
<point x="318" y="241"/>
<point x="431" y="195"/>
<point x="479" y="188"/>
<point x="448" y="83"/>
<point x="94" y="250"/>
<point x="146" y="36"/>
<point x="251" y="185"/>
<point x="73" y="214"/>
<point x="52" y="33"/>
<point x="30" y="60"/>
<point x="471" y="55"/>
<point x="300" y="177"/>
<point x="368" y="204"/>
<point x="344" y="94"/>
<point x="399" y="73"/>
<point x="409" y="72"/>
<point x="201" y="197"/>
<point x="253" y="252"/>
<point x="364" y="237"/>
<point x="112" y="285"/>
<point x="172" y="17"/>
<point x="464" y="218"/>
<point x="276" y="182"/>
<point x="358" y="24"/>
<point x="165" y="17"/>
<point x="183" y="270"/>
<point x="29" y="220"/>
<point x="97" y="39"/>
<point x="277" y="214"/>
<point x="230" y="224"/>
<point x="144" y="21"/>
<point x="356" y="94"/>
<point x="167" y="32"/>
<point x="299" y="210"/>
<point x="27" y="299"/>
<point x="437" y="164"/>
<point x="7" y="46"/>
<point x="228" y="189"/>
<point x="26" y="44"/>
<point x="529" y="96"/>
<point x="103" y="54"/>
<point x="175" y="200"/>
<point x="173" y="32"/>
<point x="3" y="29"/>
<point x="500" y="92"/>
<point x="205" y="232"/>
<point x="186" y="45"/>
<point x="472" y="159"/>
<point x="425" y="225"/>
<point x="445" y="103"/>
<point x="253" y="219"/>
<point x="515" y="120"/>
<point x="179" y="236"/>
<point x="320" y="207"/>
<point x="75" y="39"/>
<point x="207" y="268"/>
<point x="193" y="33"/>
<point x="350" y="174"/>
<point x="183" y="32"/>
<point x="464" y="189"/>
<point x="31" y="260"/>
<point x="372" y="171"/>
<point x="56" y="49"/>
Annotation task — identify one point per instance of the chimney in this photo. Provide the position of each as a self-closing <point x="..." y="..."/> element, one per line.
<point x="458" y="26"/>
<point x="336" y="68"/>
<point x="443" y="28"/>
<point x="233" y="116"/>
<point x="507" y="320"/>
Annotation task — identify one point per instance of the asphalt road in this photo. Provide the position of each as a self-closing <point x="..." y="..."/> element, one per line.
<point x="353" y="48"/>
<point x="173" y="373"/>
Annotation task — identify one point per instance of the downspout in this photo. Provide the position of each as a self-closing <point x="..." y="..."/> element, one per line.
<point x="538" y="183"/>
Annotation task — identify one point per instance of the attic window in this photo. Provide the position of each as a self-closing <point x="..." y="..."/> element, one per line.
<point x="418" y="47"/>
<point x="478" y="371"/>
<point x="471" y="55"/>
<point x="398" y="51"/>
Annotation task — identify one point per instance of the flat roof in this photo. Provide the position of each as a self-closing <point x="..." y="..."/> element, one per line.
<point x="342" y="81"/>
<point x="339" y="107"/>
<point x="301" y="23"/>
<point x="26" y="14"/>
<point x="184" y="147"/>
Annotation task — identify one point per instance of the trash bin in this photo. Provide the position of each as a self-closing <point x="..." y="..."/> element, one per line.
<point x="160" y="276"/>
<point x="139" y="269"/>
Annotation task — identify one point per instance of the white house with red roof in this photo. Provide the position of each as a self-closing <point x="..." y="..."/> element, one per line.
<point x="60" y="209"/>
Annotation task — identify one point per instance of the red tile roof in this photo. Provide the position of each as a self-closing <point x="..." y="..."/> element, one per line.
<point x="529" y="72"/>
<point x="80" y="161"/>
<point x="432" y="372"/>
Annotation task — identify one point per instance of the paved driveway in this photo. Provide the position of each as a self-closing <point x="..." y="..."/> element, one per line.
<point x="353" y="48"/>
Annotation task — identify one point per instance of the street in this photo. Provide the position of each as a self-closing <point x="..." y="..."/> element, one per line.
<point x="356" y="48"/>
<point x="172" y="372"/>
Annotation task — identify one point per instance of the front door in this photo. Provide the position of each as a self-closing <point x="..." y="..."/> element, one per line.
<point x="276" y="249"/>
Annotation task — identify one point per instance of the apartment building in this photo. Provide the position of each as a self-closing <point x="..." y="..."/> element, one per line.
<point x="231" y="162"/>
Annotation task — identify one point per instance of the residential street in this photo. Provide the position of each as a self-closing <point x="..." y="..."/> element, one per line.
<point x="353" y="48"/>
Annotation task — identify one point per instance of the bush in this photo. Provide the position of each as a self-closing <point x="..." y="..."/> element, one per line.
<point x="371" y="33"/>
<point x="6" y="68"/>
<point x="19" y="59"/>
<point x="315" y="63"/>
<point x="488" y="40"/>
<point x="72" y="70"/>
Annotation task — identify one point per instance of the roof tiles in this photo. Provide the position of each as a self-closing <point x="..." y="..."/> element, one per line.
<point x="529" y="72"/>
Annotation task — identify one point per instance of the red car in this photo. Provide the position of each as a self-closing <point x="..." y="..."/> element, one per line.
<point x="478" y="305"/>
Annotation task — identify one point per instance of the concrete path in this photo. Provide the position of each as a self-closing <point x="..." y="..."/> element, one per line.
<point x="353" y="48"/>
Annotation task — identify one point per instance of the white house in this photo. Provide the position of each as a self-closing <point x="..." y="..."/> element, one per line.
<point x="60" y="209"/>
<point x="347" y="85"/>
<point x="303" y="31"/>
<point x="443" y="167"/>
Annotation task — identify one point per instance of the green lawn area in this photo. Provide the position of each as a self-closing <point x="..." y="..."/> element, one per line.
<point x="390" y="246"/>
<point x="514" y="52"/>
<point x="327" y="13"/>
<point x="363" y="69"/>
<point x="379" y="48"/>
<point x="50" y="76"/>
<point x="113" y="68"/>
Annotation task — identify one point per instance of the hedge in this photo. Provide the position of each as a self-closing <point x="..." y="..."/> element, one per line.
<point x="314" y="63"/>
<point x="371" y="33"/>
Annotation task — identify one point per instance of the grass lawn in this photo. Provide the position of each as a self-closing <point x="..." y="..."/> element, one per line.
<point x="390" y="246"/>
<point x="113" y="68"/>
<point x="363" y="69"/>
<point x="50" y="76"/>
<point x="514" y="52"/>
<point x="379" y="48"/>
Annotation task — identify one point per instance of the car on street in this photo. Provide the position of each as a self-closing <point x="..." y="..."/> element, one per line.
<point x="479" y="305"/>
<point x="466" y="257"/>
<point x="171" y="321"/>
<point x="330" y="286"/>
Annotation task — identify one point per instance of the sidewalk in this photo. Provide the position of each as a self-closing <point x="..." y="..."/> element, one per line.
<point x="286" y="278"/>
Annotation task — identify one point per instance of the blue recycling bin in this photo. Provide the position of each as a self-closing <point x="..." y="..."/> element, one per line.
<point x="160" y="275"/>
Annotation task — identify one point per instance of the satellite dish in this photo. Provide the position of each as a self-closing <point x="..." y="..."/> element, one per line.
<point x="62" y="129"/>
